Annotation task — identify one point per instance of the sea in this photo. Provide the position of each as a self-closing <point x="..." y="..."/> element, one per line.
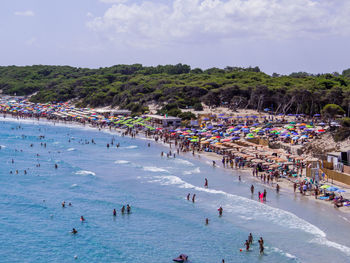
<point x="34" y="227"/>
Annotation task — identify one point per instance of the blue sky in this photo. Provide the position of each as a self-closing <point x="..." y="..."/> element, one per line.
<point x="280" y="36"/>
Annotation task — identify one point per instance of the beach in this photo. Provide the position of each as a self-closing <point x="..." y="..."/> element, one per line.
<point x="171" y="179"/>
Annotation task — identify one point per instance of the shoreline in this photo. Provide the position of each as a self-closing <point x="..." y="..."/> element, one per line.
<point x="204" y="157"/>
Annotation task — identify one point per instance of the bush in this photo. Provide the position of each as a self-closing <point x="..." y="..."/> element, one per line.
<point x="198" y="106"/>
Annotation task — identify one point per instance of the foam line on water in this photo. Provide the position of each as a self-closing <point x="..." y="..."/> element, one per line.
<point x="121" y="162"/>
<point x="154" y="169"/>
<point x="183" y="162"/>
<point x="243" y="206"/>
<point x="197" y="170"/>
<point x="70" y="149"/>
<point x="83" y="172"/>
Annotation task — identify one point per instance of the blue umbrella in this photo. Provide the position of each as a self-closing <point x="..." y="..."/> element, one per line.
<point x="317" y="115"/>
<point x="266" y="109"/>
<point x="235" y="138"/>
<point x="206" y="119"/>
<point x="220" y="125"/>
<point x="221" y="114"/>
<point x="340" y="191"/>
<point x="332" y="189"/>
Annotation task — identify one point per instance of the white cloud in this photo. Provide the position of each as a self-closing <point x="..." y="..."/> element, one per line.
<point x="198" y="21"/>
<point x="89" y="14"/>
<point x="113" y="1"/>
<point x="25" y="13"/>
<point x="31" y="41"/>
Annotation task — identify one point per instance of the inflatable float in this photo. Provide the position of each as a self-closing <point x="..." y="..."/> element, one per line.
<point x="181" y="258"/>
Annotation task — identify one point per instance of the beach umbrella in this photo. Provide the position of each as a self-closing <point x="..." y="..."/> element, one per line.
<point x="322" y="124"/>
<point x="325" y="186"/>
<point x="235" y="138"/>
<point x="332" y="189"/>
<point x="317" y="115"/>
<point x="340" y="191"/>
<point x="206" y="119"/>
<point x="266" y="109"/>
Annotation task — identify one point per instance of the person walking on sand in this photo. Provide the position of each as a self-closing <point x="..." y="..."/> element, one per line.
<point x="206" y="183"/>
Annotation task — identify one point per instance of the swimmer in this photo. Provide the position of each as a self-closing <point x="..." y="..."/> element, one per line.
<point x="74" y="231"/>
<point x="82" y="219"/>
<point x="188" y="197"/>
<point x="56" y="166"/>
<point x="63" y="204"/>
<point x="206" y="183"/>
<point x="114" y="212"/>
<point x="70" y="204"/>
<point x="207" y="221"/>
<point x="193" y="198"/>
<point x="123" y="210"/>
<point x="128" y="209"/>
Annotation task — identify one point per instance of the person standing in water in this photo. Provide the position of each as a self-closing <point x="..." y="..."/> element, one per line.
<point x="123" y="210"/>
<point x="252" y="189"/>
<point x="193" y="198"/>
<point x="128" y="209"/>
<point x="114" y="212"/>
<point x="206" y="183"/>
<point x="188" y="197"/>
<point x="74" y="231"/>
<point x="261" y="245"/>
<point x="82" y="219"/>
<point x="250" y="238"/>
<point x="277" y="188"/>
<point x="207" y="221"/>
<point x="220" y="211"/>
<point x="247" y="245"/>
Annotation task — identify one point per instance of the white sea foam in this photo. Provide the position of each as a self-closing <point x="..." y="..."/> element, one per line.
<point x="2" y="146"/>
<point x="154" y="169"/>
<point x="73" y="186"/>
<point x="242" y="206"/>
<point x="280" y="251"/>
<point x="121" y="162"/>
<point x="130" y="147"/>
<point x="194" y="171"/>
<point x="183" y="162"/>
<point x="55" y="143"/>
<point x="83" y="172"/>
<point x="71" y="149"/>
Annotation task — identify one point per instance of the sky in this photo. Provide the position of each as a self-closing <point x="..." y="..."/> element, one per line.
<point x="281" y="36"/>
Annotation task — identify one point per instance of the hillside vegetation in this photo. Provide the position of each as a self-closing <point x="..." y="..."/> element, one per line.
<point x="179" y="86"/>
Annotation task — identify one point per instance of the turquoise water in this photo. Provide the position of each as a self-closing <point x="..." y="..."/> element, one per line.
<point x="35" y="228"/>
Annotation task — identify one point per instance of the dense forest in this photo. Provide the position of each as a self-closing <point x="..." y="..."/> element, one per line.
<point x="177" y="87"/>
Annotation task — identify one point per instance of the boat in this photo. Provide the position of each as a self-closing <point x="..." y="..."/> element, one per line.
<point x="181" y="258"/>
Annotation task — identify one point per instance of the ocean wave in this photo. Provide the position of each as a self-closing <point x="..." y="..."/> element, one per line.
<point x="154" y="169"/>
<point x="242" y="206"/>
<point x="73" y="186"/>
<point x="183" y="162"/>
<point x="281" y="252"/>
<point x="130" y="147"/>
<point x="71" y="149"/>
<point x="194" y="171"/>
<point x="83" y="172"/>
<point x="2" y="146"/>
<point x="121" y="162"/>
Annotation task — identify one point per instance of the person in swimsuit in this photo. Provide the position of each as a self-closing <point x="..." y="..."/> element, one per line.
<point x="114" y="212"/>
<point x="193" y="198"/>
<point x="128" y="209"/>
<point x="123" y="210"/>
<point x="220" y="211"/>
<point x="74" y="231"/>
<point x="206" y="183"/>
<point x="82" y="219"/>
<point x="252" y="189"/>
<point x="188" y="197"/>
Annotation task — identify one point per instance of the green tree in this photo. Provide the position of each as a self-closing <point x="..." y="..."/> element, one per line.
<point x="330" y="111"/>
